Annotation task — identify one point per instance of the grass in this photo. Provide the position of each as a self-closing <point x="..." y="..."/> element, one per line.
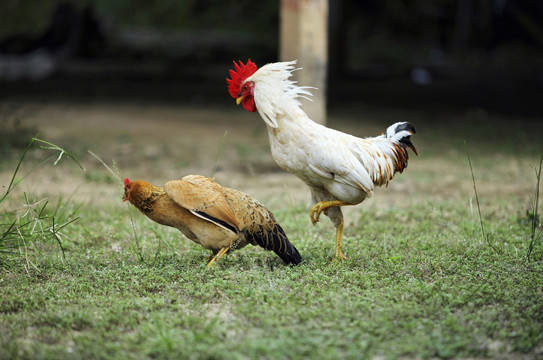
<point x="485" y="236"/>
<point x="402" y="293"/>
<point x="536" y="228"/>
<point x="420" y="280"/>
<point x="22" y="227"/>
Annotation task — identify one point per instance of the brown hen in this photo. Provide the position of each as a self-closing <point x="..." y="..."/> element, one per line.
<point x="218" y="218"/>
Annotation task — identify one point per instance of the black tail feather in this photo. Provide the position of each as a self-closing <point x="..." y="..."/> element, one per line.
<point x="405" y="141"/>
<point x="405" y="126"/>
<point x="276" y="240"/>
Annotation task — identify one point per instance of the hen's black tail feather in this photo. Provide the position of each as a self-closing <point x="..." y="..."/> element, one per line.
<point x="276" y="240"/>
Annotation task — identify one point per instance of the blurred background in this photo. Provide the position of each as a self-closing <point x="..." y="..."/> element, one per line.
<point x="136" y="89"/>
<point x="446" y="55"/>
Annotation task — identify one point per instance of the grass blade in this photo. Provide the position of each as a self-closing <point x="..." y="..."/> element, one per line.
<point x="52" y="146"/>
<point x="115" y="175"/>
<point x="32" y="221"/>
<point x="485" y="235"/>
<point x="535" y="238"/>
<point x="218" y="153"/>
<point x="11" y="183"/>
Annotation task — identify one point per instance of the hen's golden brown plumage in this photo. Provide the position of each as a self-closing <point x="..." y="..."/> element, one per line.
<point x="218" y="218"/>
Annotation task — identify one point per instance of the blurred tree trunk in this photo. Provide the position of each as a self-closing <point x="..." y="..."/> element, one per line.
<point x="304" y="36"/>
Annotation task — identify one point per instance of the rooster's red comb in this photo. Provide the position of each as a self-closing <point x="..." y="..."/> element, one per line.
<point x="242" y="72"/>
<point x="126" y="181"/>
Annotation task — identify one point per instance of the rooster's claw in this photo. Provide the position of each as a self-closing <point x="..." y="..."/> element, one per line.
<point x="315" y="213"/>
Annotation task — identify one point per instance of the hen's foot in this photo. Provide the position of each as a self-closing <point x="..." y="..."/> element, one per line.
<point x="218" y="256"/>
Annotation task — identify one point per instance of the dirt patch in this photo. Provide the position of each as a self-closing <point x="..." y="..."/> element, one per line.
<point x="158" y="142"/>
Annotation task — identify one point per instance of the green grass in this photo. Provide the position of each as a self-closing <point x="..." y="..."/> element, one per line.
<point x="421" y="287"/>
<point x="33" y="220"/>
<point x="420" y="280"/>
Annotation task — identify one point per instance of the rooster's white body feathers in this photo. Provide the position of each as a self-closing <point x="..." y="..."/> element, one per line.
<point x="335" y="165"/>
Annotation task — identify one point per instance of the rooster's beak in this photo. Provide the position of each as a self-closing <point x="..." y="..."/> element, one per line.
<point x="239" y="100"/>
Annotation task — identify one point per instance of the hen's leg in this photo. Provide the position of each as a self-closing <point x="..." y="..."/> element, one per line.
<point x="321" y="206"/>
<point x="218" y="256"/>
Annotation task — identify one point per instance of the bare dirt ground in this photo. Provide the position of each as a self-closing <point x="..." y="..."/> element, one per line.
<point x="160" y="142"/>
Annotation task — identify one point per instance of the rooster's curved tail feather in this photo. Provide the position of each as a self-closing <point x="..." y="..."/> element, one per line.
<point x="400" y="133"/>
<point x="389" y="152"/>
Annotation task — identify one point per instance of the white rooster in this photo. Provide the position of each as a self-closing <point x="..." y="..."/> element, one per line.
<point x="340" y="169"/>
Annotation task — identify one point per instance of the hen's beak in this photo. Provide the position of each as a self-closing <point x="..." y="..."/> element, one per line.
<point x="239" y="100"/>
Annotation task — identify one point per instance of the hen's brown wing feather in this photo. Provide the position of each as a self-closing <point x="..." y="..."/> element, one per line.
<point x="201" y="196"/>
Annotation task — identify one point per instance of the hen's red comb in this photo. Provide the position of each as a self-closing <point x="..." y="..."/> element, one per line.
<point x="126" y="181"/>
<point x="242" y="72"/>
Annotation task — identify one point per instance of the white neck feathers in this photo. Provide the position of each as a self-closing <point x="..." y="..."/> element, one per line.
<point x="275" y="95"/>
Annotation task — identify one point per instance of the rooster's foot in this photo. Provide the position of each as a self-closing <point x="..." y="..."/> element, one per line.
<point x="321" y="206"/>
<point x="339" y="235"/>
<point x="339" y="256"/>
<point x="315" y="212"/>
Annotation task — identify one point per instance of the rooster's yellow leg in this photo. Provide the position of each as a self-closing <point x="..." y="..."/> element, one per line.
<point x="218" y="256"/>
<point x="339" y="233"/>
<point x="319" y="207"/>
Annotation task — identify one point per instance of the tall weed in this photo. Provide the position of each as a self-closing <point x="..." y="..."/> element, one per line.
<point x="536" y="228"/>
<point x="22" y="227"/>
<point x="486" y="237"/>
